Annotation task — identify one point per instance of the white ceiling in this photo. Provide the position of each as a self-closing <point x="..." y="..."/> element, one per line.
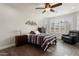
<point x="30" y="8"/>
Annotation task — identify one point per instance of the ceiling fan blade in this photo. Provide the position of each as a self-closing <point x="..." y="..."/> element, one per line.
<point x="40" y="8"/>
<point x="52" y="10"/>
<point x="56" y="5"/>
<point x="44" y="11"/>
<point x="46" y="4"/>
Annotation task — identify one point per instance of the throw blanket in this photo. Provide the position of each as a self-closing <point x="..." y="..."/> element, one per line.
<point x="42" y="39"/>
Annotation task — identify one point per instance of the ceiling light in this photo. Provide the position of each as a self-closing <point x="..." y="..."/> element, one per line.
<point x="47" y="9"/>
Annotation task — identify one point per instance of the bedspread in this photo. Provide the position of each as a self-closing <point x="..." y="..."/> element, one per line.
<point x="44" y="40"/>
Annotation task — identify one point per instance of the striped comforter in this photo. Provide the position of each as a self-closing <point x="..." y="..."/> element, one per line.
<point x="44" y="40"/>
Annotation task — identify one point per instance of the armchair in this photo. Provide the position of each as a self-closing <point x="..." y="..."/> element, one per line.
<point x="71" y="38"/>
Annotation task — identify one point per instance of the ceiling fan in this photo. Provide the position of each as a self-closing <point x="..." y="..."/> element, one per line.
<point x="49" y="7"/>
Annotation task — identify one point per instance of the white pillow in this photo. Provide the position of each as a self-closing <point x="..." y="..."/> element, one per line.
<point x="37" y="32"/>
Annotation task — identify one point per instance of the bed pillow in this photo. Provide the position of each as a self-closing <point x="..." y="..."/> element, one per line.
<point x="37" y="32"/>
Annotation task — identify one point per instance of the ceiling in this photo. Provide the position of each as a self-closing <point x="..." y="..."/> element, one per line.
<point x="30" y="8"/>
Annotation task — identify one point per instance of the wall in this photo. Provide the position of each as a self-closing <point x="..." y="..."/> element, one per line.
<point x="9" y="22"/>
<point x="12" y="21"/>
<point x="78" y="21"/>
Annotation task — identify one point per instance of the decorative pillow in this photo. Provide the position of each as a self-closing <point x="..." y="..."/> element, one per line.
<point x="39" y="29"/>
<point x="32" y="32"/>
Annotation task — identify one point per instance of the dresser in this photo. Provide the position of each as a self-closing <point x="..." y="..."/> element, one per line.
<point x="21" y="40"/>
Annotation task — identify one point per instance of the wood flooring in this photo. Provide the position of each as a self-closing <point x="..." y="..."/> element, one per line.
<point x="61" y="49"/>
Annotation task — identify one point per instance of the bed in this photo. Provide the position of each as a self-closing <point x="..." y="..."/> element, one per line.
<point x="38" y="38"/>
<point x="44" y="40"/>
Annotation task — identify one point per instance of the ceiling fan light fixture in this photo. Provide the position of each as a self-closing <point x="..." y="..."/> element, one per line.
<point x="47" y="9"/>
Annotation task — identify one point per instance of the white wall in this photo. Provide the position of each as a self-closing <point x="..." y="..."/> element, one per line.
<point x="13" y="20"/>
<point x="9" y="21"/>
<point x="78" y="21"/>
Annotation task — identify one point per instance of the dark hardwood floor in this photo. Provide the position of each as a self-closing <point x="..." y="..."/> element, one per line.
<point x="61" y="49"/>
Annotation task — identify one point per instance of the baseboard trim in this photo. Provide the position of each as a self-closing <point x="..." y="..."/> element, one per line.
<point x="7" y="46"/>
